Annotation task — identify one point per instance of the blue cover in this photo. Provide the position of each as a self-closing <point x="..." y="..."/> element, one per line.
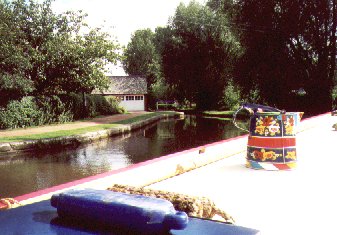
<point x="119" y="210"/>
<point x="41" y="218"/>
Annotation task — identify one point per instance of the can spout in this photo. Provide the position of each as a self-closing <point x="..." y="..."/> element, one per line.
<point x="262" y="108"/>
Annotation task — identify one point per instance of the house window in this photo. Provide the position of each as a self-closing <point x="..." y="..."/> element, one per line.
<point x="130" y="97"/>
<point x="139" y="97"/>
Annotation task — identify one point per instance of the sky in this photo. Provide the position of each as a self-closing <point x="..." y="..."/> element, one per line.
<point x="121" y="18"/>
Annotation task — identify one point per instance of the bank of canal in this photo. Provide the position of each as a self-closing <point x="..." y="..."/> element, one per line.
<point x="28" y="172"/>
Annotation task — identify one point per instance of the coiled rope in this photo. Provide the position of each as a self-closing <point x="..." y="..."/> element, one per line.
<point x="9" y="203"/>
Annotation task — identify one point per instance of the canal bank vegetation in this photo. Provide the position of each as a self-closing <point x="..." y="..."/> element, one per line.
<point x="43" y="110"/>
<point x="214" y="55"/>
<point x="47" y="64"/>
<point x="80" y="131"/>
<point x="221" y="53"/>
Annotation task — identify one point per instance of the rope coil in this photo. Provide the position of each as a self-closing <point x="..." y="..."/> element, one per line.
<point x="9" y="203"/>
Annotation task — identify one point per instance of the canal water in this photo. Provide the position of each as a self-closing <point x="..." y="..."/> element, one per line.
<point x="33" y="171"/>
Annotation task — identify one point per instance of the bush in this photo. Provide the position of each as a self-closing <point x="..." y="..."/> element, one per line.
<point x="101" y="105"/>
<point x="74" y="103"/>
<point x="231" y="98"/>
<point x="53" y="110"/>
<point x="41" y="110"/>
<point x="21" y="113"/>
<point x="94" y="105"/>
<point x="114" y="102"/>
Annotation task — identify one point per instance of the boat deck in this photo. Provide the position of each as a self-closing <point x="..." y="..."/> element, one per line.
<point x="300" y="201"/>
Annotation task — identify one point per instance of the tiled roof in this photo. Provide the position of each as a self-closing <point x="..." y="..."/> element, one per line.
<point x="120" y="85"/>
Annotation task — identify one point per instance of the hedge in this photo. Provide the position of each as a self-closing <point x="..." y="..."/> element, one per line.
<point x="41" y="110"/>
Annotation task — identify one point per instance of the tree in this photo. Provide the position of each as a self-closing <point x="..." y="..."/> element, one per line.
<point x="140" y="54"/>
<point x="290" y="47"/>
<point x="13" y="58"/>
<point x="45" y="53"/>
<point x="198" y="59"/>
<point x="142" y="57"/>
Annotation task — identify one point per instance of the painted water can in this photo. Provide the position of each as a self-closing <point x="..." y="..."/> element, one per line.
<point x="272" y="140"/>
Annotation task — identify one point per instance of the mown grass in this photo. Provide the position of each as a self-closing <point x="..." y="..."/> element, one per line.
<point x="219" y="113"/>
<point x="63" y="133"/>
<point x="219" y="118"/>
<point x="139" y="118"/>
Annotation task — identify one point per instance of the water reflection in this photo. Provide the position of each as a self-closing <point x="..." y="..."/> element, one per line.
<point x="33" y="171"/>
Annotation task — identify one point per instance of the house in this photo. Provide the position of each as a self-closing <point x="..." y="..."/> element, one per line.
<point x="130" y="90"/>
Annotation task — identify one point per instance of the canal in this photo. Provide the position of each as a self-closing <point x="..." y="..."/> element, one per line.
<point x="28" y="172"/>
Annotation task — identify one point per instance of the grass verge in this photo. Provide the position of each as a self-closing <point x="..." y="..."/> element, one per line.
<point x="219" y="113"/>
<point x="63" y="133"/>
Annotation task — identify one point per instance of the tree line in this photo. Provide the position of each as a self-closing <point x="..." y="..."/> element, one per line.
<point x="44" y="53"/>
<point x="47" y="62"/>
<point x="276" y="52"/>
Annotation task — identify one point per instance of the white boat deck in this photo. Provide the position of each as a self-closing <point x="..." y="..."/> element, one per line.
<point x="300" y="201"/>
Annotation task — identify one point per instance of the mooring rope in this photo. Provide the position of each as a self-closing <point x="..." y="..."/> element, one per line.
<point x="9" y="203"/>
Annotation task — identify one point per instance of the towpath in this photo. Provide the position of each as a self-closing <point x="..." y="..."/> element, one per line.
<point x="69" y="126"/>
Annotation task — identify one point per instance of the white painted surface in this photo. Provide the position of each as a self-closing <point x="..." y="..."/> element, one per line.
<point x="301" y="201"/>
<point x="133" y="105"/>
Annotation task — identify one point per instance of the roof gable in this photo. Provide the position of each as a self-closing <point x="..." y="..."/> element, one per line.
<point x="120" y="85"/>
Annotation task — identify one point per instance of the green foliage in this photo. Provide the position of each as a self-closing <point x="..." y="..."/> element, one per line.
<point x="23" y="113"/>
<point x="94" y="105"/>
<point x="289" y="45"/>
<point x="114" y="102"/>
<point x="140" y="54"/>
<point x="30" y="111"/>
<point x="43" y="53"/>
<point x="334" y="98"/>
<point x="160" y="90"/>
<point x="100" y="105"/>
<point x="74" y="103"/>
<point x="231" y="97"/>
<point x="199" y="57"/>
<point x="142" y="57"/>
<point x="53" y="110"/>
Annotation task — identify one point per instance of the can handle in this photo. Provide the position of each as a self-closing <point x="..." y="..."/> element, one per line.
<point x="258" y="107"/>
<point x="252" y="109"/>
<point x="234" y="118"/>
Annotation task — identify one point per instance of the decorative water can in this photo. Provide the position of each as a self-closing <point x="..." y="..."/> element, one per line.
<point x="134" y="214"/>
<point x="272" y="138"/>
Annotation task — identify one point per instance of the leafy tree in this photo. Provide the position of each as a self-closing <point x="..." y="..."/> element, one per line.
<point x="140" y="54"/>
<point x="142" y="57"/>
<point x="45" y="53"/>
<point x="199" y="57"/>
<point x="13" y="58"/>
<point x="290" y="47"/>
